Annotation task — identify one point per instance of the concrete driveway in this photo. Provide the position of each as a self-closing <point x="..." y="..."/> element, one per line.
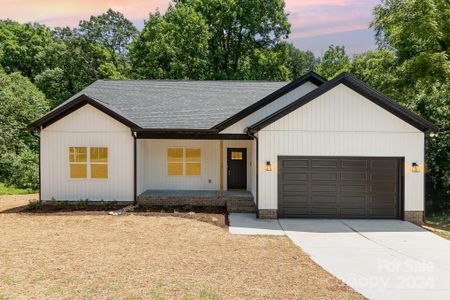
<point x="381" y="259"/>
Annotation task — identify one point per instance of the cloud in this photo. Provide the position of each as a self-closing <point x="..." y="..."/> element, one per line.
<point x="69" y="12"/>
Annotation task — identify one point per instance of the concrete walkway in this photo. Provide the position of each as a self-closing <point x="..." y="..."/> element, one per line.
<point x="381" y="259"/>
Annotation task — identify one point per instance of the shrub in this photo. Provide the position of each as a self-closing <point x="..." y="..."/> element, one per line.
<point x="59" y="204"/>
<point x="20" y="170"/>
<point x="188" y="208"/>
<point x="34" y="204"/>
<point x="147" y="207"/>
<point x="109" y="205"/>
<point x="81" y="204"/>
<point x="168" y="208"/>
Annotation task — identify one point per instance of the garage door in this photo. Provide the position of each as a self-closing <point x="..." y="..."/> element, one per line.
<point x="339" y="187"/>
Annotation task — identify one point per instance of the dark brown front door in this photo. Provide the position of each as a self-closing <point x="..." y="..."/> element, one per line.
<point x="339" y="187"/>
<point x="237" y="168"/>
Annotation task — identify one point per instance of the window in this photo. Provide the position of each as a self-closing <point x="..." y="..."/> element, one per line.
<point x="175" y="161"/>
<point x="98" y="162"/>
<point x="236" y="155"/>
<point x="78" y="162"/>
<point x="183" y="161"/>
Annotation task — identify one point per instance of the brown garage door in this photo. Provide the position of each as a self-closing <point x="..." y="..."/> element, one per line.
<point x="339" y="187"/>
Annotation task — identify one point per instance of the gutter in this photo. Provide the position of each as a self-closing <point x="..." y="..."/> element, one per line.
<point x="252" y="135"/>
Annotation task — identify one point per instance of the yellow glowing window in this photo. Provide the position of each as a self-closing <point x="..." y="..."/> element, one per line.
<point x="99" y="162"/>
<point x="193" y="162"/>
<point x="183" y="161"/>
<point x="236" y="155"/>
<point x="78" y="162"/>
<point x="175" y="161"/>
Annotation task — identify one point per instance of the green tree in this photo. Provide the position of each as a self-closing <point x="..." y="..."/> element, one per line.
<point x="334" y="61"/>
<point x="20" y="104"/>
<point x="238" y="29"/>
<point x="298" y="62"/>
<point x="28" y="48"/>
<point x="110" y="30"/>
<point x="172" y="46"/>
<point x="416" y="31"/>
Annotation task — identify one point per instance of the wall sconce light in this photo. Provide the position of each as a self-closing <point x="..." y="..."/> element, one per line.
<point x="415" y="167"/>
<point x="268" y="166"/>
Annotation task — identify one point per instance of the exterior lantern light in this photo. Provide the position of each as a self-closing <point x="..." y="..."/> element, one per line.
<point x="268" y="166"/>
<point x="415" y="167"/>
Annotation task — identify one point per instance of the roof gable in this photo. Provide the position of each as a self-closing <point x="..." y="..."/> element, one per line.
<point x="359" y="87"/>
<point x="71" y="106"/>
<point x="310" y="76"/>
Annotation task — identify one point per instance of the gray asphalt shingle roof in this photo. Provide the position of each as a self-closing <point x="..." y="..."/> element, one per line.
<point x="178" y="104"/>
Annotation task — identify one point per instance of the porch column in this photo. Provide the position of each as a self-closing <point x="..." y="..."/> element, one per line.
<point x="221" y="167"/>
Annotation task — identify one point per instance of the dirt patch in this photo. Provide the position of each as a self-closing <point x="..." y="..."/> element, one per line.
<point x="136" y="256"/>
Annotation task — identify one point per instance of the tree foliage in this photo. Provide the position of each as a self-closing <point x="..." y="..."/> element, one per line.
<point x="111" y="30"/>
<point x="220" y="39"/>
<point x="20" y="104"/>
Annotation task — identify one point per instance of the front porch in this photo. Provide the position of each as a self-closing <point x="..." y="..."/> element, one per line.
<point x="235" y="201"/>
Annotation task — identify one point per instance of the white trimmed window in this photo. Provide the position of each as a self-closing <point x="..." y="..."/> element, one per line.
<point x="184" y="162"/>
<point x="93" y="162"/>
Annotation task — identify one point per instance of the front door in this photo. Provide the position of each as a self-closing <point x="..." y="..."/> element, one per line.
<point x="237" y="168"/>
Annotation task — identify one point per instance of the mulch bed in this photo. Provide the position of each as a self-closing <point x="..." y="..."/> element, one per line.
<point x="210" y="214"/>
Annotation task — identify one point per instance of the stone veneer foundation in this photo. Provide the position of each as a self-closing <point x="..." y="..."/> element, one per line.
<point x="267" y="214"/>
<point x="415" y="217"/>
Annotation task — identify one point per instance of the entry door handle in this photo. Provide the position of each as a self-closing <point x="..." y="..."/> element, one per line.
<point x="229" y="171"/>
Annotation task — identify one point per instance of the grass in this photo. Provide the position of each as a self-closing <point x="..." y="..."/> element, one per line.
<point x="439" y="224"/>
<point x="8" y="190"/>
<point x="149" y="257"/>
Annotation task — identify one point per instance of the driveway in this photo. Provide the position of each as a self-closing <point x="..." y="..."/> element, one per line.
<point x="381" y="259"/>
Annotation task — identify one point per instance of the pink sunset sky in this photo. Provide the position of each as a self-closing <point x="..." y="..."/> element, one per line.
<point x="315" y="23"/>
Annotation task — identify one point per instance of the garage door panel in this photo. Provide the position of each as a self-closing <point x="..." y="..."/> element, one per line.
<point x="353" y="164"/>
<point x="295" y="176"/>
<point x="320" y="200"/>
<point x="295" y="163"/>
<point x="336" y="187"/>
<point x="292" y="201"/>
<point x="353" y="212"/>
<point x="295" y="187"/>
<point x="323" y="212"/>
<point x="323" y="187"/>
<point x="383" y="187"/>
<point x="324" y="176"/>
<point x="353" y="201"/>
<point x="383" y="164"/>
<point x="354" y="188"/>
<point x="324" y="163"/>
<point x="354" y="176"/>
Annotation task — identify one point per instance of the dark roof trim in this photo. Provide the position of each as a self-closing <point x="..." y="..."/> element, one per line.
<point x="72" y="106"/>
<point x="193" y="135"/>
<point x="310" y="76"/>
<point x="359" y="87"/>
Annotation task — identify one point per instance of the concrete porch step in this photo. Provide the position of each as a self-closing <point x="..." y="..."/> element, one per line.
<point x="241" y="209"/>
<point x="245" y="205"/>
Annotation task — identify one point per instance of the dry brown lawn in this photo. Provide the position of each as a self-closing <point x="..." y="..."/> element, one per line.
<point x="147" y="257"/>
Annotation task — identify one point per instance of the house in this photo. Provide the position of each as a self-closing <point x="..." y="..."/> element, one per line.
<point x="309" y="148"/>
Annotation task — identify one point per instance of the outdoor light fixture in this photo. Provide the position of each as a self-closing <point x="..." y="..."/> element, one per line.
<point x="433" y="135"/>
<point x="415" y="167"/>
<point x="268" y="166"/>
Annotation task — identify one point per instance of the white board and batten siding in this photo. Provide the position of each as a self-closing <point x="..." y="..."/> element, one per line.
<point x="87" y="127"/>
<point x="153" y="173"/>
<point x="270" y="108"/>
<point x="341" y="122"/>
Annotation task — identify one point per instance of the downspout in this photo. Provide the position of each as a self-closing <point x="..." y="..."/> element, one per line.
<point x="40" y="176"/>
<point x="134" y="134"/>
<point x="252" y="135"/>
